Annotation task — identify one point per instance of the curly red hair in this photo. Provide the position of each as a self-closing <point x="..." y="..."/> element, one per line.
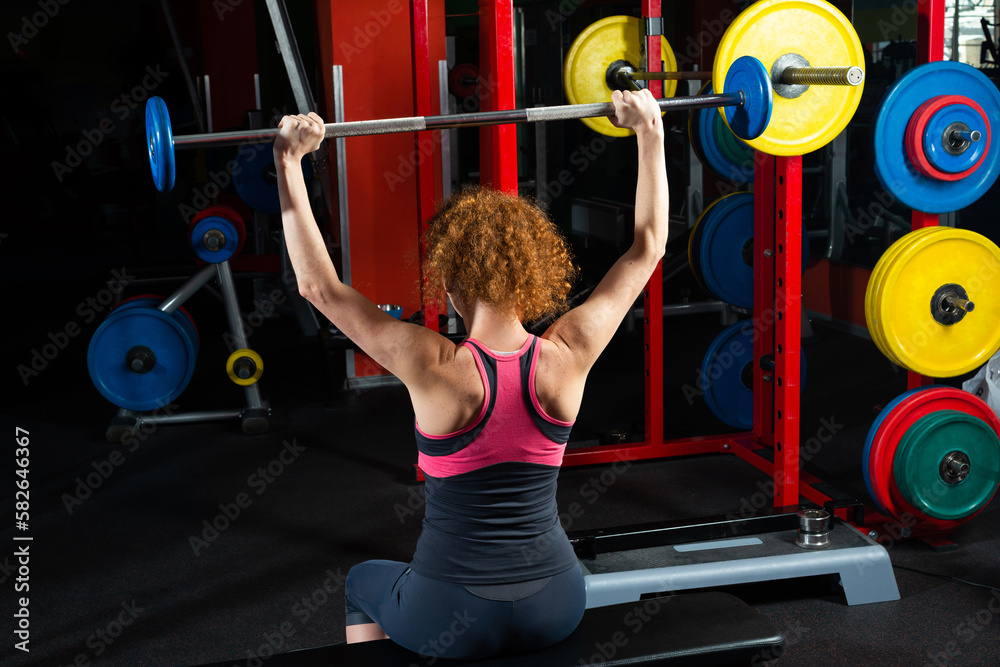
<point x="501" y="250"/>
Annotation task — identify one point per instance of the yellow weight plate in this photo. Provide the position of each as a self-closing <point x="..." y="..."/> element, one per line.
<point x="873" y="304"/>
<point x="949" y="256"/>
<point x="877" y="282"/>
<point x="874" y="289"/>
<point x="256" y="367"/>
<point x="594" y="50"/>
<point x="821" y="34"/>
<point x="912" y="239"/>
<point x="899" y="251"/>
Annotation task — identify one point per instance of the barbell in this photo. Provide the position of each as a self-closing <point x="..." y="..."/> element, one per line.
<point x="749" y="99"/>
<point x="787" y="79"/>
<point x="810" y="49"/>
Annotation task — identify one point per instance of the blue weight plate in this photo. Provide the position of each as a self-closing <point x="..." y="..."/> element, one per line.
<point x="726" y="375"/>
<point x="866" y="454"/>
<point x="176" y="354"/>
<point x="254" y="177"/>
<point x="721" y="248"/>
<point x="724" y="243"/>
<point x="722" y="371"/>
<point x="227" y="250"/>
<point x="749" y="76"/>
<point x="934" y="139"/>
<point x="694" y="261"/>
<point x="160" y="144"/>
<point x="892" y="166"/>
<point x="181" y="314"/>
<point x="694" y="245"/>
<point x="694" y="242"/>
<point x="705" y="133"/>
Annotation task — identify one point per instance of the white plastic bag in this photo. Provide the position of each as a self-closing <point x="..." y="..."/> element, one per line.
<point x="986" y="383"/>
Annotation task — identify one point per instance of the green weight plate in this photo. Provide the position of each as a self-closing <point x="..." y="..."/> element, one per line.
<point x="917" y="464"/>
<point x="734" y="149"/>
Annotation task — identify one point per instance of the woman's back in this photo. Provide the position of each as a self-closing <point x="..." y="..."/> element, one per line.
<point x="491" y="514"/>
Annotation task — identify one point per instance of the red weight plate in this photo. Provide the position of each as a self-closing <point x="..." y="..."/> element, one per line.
<point x="915" y="136"/>
<point x="880" y="461"/>
<point x="458" y="80"/>
<point x="895" y="426"/>
<point x="226" y="212"/>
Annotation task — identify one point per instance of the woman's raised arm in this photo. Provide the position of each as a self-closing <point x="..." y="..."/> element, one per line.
<point x="405" y="350"/>
<point x="586" y="330"/>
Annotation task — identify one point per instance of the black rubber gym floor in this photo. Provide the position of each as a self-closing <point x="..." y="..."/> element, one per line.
<point x="198" y="544"/>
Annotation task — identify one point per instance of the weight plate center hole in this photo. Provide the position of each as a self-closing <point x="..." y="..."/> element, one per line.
<point x="214" y="240"/>
<point x="747" y="252"/>
<point x="270" y="175"/>
<point x="955" y="468"/>
<point x="616" y="76"/>
<point x="245" y="368"/>
<point x="140" y="359"/>
<point x="787" y="90"/>
<point x="958" y="137"/>
<point x="950" y="304"/>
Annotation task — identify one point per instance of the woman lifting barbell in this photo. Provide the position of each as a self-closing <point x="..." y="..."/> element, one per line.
<point x="493" y="569"/>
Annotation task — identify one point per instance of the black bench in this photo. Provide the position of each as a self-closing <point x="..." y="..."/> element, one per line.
<point x="688" y="629"/>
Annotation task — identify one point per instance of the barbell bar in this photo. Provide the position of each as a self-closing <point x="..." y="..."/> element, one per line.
<point x="751" y="95"/>
<point x="419" y="123"/>
<point x="637" y="75"/>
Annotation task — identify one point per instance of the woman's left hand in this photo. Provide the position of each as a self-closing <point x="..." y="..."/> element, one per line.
<point x="298" y="135"/>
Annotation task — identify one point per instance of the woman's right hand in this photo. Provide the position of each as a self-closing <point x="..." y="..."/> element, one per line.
<point x="299" y="135"/>
<point x="636" y="110"/>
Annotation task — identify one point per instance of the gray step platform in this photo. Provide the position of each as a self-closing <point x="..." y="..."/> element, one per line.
<point x="863" y="566"/>
<point x="709" y="628"/>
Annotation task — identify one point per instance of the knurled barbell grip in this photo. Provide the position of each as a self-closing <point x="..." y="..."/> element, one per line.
<point x="419" y="123"/>
<point x="809" y="76"/>
<point x="823" y="76"/>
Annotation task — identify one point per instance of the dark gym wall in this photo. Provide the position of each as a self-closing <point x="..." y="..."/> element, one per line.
<point x="77" y="199"/>
<point x="78" y="205"/>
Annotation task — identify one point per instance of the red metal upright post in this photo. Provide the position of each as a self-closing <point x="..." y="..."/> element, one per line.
<point x="497" y="143"/>
<point x="425" y="144"/>
<point x="229" y="59"/>
<point x="653" y="294"/>
<point x="778" y="316"/>
<point x="930" y="48"/>
<point x="383" y="192"/>
<point x="787" y="290"/>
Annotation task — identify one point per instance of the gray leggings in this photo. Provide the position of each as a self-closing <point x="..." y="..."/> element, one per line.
<point x="449" y="620"/>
